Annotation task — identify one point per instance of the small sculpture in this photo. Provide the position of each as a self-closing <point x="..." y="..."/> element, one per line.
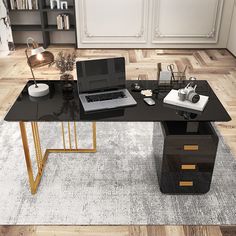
<point x="55" y="4"/>
<point x="64" y="5"/>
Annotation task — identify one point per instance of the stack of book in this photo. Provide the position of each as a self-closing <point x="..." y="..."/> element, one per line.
<point x="24" y="4"/>
<point x="63" y="22"/>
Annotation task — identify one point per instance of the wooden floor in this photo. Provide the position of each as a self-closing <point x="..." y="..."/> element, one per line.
<point x="117" y="231"/>
<point x="218" y="67"/>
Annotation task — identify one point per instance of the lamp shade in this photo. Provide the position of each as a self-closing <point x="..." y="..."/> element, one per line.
<point x="47" y="59"/>
<point x="36" y="51"/>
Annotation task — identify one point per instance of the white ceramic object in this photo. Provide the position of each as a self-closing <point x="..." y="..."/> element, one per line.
<point x="40" y="91"/>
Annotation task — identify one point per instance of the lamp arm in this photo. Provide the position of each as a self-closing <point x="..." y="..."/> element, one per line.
<point x="31" y="69"/>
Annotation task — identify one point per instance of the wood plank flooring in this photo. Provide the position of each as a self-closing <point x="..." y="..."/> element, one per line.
<point x="117" y="231"/>
<point x="218" y="67"/>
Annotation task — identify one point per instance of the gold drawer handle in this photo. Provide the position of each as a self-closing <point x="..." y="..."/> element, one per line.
<point x="188" y="167"/>
<point x="191" y="147"/>
<point x="186" y="183"/>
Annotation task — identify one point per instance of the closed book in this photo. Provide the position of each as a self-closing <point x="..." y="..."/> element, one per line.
<point x="12" y="3"/>
<point x="60" y="22"/>
<point x="36" y="5"/>
<point x="64" y="21"/>
<point x="67" y="22"/>
<point x="30" y="4"/>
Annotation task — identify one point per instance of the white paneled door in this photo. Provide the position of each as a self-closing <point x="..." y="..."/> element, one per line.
<point x="232" y="35"/>
<point x="113" y="21"/>
<point x="186" y="21"/>
<point x="153" y="23"/>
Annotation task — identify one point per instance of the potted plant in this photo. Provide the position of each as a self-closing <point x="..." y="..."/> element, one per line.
<point x="65" y="62"/>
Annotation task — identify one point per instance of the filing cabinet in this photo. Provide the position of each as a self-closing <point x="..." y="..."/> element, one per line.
<point x="186" y="163"/>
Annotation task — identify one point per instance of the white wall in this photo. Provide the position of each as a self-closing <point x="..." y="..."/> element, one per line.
<point x="5" y="30"/>
<point x="232" y="36"/>
<point x="153" y="23"/>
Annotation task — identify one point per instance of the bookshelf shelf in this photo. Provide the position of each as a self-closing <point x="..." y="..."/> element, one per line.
<point x="21" y="10"/>
<point x="48" y="9"/>
<point x="54" y="28"/>
<point x="26" y="27"/>
<point x="47" y="18"/>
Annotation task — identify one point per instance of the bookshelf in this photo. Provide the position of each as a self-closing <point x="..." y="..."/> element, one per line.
<point x="41" y="24"/>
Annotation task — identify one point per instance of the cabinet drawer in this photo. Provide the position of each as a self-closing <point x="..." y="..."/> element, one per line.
<point x="178" y="140"/>
<point x="190" y="145"/>
<point x="185" y="183"/>
<point x="178" y="163"/>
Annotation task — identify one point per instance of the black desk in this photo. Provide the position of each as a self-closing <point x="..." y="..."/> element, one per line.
<point x="190" y="143"/>
<point x="59" y="106"/>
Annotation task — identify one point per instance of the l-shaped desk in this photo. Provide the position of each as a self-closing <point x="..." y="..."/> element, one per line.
<point x="190" y="141"/>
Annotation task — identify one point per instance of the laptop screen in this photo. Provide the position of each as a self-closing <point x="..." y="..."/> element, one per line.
<point x="100" y="75"/>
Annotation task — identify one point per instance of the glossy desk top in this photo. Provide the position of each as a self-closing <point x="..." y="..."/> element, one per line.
<point x="60" y="106"/>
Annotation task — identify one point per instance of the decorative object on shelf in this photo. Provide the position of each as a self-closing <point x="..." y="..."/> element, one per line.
<point x="39" y="57"/>
<point x="64" y="5"/>
<point x="63" y="22"/>
<point x="55" y="4"/>
<point x="65" y="63"/>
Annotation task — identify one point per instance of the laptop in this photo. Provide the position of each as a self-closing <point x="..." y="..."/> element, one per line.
<point x="101" y="84"/>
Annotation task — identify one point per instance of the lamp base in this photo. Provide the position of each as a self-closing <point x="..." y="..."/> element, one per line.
<point x="40" y="91"/>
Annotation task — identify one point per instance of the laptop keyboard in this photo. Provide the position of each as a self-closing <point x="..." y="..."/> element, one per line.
<point x="105" y="96"/>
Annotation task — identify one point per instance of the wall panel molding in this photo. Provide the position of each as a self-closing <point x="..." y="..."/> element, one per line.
<point x="161" y="34"/>
<point x="89" y="35"/>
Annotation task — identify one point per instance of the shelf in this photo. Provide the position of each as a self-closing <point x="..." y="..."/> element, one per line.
<point x="26" y="27"/>
<point x="45" y="30"/>
<point x="54" y="28"/>
<point x="24" y="10"/>
<point x="48" y="9"/>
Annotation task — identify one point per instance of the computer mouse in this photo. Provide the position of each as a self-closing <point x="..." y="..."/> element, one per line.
<point x="149" y="101"/>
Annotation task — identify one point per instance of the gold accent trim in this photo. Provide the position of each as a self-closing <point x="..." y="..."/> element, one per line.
<point x="63" y="135"/>
<point x="41" y="159"/>
<point x="191" y="147"/>
<point x="186" y="183"/>
<point x="75" y="134"/>
<point x="69" y="135"/>
<point x="188" y="167"/>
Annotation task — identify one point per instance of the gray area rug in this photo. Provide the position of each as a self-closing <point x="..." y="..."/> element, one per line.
<point x="117" y="185"/>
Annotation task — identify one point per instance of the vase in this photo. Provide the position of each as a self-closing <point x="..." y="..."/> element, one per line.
<point x="67" y="79"/>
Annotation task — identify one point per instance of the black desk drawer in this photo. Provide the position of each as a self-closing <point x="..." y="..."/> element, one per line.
<point x="185" y="182"/>
<point x="185" y="163"/>
<point x="179" y="141"/>
<point x="189" y="145"/>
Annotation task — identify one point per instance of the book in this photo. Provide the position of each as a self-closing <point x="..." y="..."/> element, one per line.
<point x="172" y="98"/>
<point x="66" y="21"/>
<point x="59" y="22"/>
<point x="12" y="4"/>
<point x="36" y="5"/>
<point x="63" y="22"/>
<point x="30" y="4"/>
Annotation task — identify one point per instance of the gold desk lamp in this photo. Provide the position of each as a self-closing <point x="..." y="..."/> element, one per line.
<point x="39" y="57"/>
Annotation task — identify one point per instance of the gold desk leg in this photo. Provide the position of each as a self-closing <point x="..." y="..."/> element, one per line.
<point x="75" y="149"/>
<point x="41" y="159"/>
